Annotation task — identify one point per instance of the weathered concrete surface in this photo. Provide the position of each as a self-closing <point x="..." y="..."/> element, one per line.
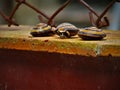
<point x="19" y="38"/>
<point x="50" y="63"/>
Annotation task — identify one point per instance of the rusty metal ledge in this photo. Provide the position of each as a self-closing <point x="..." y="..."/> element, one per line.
<point x="19" y="38"/>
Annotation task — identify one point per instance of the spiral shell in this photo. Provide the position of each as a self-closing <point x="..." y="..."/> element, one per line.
<point x="91" y="33"/>
<point x="41" y="30"/>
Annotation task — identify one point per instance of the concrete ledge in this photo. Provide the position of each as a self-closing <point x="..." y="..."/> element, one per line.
<point x="50" y="63"/>
<point x="19" y="38"/>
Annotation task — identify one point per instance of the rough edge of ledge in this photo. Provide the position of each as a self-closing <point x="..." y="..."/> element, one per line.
<point x="80" y="48"/>
<point x="57" y="46"/>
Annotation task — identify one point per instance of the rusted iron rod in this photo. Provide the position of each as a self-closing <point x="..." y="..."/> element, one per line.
<point x="7" y="19"/>
<point x="15" y="9"/>
<point x="104" y="12"/>
<point x="20" y="2"/>
<point x="91" y="19"/>
<point x="98" y="22"/>
<point x="38" y="11"/>
<point x="89" y="7"/>
<point x="57" y="11"/>
<point x="13" y="12"/>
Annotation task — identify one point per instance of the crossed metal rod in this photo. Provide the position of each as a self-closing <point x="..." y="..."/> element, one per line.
<point x="19" y="3"/>
<point x="103" y="13"/>
<point x="57" y="11"/>
<point x="6" y="18"/>
<point x="50" y="19"/>
<point x="98" y="23"/>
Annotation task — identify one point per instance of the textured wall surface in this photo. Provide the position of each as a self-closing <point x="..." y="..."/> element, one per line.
<point x="51" y="63"/>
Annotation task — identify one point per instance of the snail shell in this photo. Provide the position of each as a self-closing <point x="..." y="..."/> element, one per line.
<point x="41" y="30"/>
<point x="91" y="33"/>
<point x="66" y="30"/>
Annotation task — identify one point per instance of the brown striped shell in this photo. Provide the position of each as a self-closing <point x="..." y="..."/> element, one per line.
<point x="91" y="33"/>
<point x="41" y="30"/>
